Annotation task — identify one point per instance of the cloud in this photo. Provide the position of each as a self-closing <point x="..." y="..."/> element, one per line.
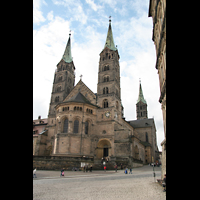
<point x="37" y="14"/>
<point x="50" y="15"/>
<point x="94" y="6"/>
<point x="48" y="47"/>
<point x="74" y="9"/>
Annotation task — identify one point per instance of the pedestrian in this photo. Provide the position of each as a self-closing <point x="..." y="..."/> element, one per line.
<point x="91" y="168"/>
<point x="164" y="183"/>
<point x="34" y="173"/>
<point x="130" y="171"/>
<point x="126" y="170"/>
<point x="87" y="168"/>
<point x="61" y="172"/>
<point x="116" y="168"/>
<point x="104" y="168"/>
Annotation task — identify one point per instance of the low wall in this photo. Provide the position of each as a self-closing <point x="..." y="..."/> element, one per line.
<point x="58" y="162"/>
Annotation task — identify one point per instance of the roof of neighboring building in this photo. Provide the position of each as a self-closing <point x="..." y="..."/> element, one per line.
<point x="40" y="121"/>
<point x="142" y="123"/>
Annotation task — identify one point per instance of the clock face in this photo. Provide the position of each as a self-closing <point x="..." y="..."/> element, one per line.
<point x="107" y="114"/>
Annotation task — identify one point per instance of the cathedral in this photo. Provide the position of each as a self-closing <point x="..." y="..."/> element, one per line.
<point x="86" y="127"/>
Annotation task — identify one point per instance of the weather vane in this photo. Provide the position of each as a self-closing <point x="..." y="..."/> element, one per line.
<point x="70" y="32"/>
<point x="109" y="18"/>
<point x="81" y="76"/>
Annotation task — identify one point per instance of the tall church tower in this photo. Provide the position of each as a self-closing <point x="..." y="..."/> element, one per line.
<point x="141" y="105"/>
<point x="108" y="87"/>
<point x="64" y="80"/>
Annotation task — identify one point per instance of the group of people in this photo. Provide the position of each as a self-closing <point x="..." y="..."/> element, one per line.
<point x="86" y="168"/>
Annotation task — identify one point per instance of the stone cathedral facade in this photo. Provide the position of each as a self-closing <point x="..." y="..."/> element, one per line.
<point x="84" y="126"/>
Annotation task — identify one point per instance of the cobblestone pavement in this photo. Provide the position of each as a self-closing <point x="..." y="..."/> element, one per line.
<point x="98" y="185"/>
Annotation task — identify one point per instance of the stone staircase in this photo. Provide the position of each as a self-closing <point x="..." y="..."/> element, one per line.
<point x="97" y="165"/>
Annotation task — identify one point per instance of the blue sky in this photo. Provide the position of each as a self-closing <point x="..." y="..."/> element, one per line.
<point x="88" y="21"/>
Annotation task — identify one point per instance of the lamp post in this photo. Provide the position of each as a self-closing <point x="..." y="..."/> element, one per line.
<point x="154" y="174"/>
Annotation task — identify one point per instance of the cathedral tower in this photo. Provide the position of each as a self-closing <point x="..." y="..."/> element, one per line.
<point x="108" y="87"/>
<point x="141" y="105"/>
<point x="64" y="79"/>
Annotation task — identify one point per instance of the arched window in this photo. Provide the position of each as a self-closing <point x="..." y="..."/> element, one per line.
<point x="76" y="126"/>
<point x="86" y="127"/>
<point x="107" y="78"/>
<point x="65" y="126"/>
<point x="104" y="80"/>
<point x="57" y="99"/>
<point x="106" y="90"/>
<point x="147" y="139"/>
<point x="75" y="108"/>
<point x="105" y="103"/>
<point x="105" y="68"/>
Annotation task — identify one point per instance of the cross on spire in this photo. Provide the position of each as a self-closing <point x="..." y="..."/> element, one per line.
<point x="81" y="76"/>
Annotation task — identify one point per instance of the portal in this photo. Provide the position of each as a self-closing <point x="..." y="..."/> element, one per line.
<point x="105" y="152"/>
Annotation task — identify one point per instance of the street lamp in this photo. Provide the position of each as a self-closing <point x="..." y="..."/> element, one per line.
<point x="154" y="174"/>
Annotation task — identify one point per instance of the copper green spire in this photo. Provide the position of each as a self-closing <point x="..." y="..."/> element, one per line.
<point x="109" y="40"/>
<point x="67" y="56"/>
<point x="140" y="96"/>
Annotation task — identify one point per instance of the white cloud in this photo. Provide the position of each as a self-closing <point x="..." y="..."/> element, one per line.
<point x="94" y="6"/>
<point x="37" y="14"/>
<point x="50" y="15"/>
<point x="75" y="9"/>
<point x="48" y="47"/>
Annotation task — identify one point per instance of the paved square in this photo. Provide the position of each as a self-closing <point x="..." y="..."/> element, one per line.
<point x="98" y="185"/>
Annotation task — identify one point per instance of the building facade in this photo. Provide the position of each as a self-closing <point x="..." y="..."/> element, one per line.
<point x="83" y="124"/>
<point x="157" y="10"/>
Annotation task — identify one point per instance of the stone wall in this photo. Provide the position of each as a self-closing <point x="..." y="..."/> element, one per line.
<point x="58" y="162"/>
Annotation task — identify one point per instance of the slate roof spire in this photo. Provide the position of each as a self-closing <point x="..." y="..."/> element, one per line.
<point x="109" y="40"/>
<point x="140" y="96"/>
<point x="67" y="56"/>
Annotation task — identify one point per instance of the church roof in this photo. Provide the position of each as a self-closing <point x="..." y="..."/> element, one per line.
<point x="80" y="98"/>
<point x="140" y="96"/>
<point x="142" y="123"/>
<point x="67" y="57"/>
<point x="109" y="40"/>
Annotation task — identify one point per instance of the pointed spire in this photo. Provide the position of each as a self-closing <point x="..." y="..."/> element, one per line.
<point x="140" y="96"/>
<point x="109" y="40"/>
<point x="67" y="56"/>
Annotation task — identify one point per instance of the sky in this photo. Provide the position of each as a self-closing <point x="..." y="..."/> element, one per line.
<point x="88" y="21"/>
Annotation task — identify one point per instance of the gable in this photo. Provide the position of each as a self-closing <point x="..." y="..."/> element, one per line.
<point x="84" y="90"/>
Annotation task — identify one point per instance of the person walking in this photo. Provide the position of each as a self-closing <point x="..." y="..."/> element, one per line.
<point x="84" y="168"/>
<point x="91" y="168"/>
<point x="130" y="171"/>
<point x="104" y="168"/>
<point x="34" y="173"/>
<point x="116" y="168"/>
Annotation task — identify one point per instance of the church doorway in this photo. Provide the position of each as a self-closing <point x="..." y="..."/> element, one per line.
<point x="105" y="152"/>
<point x="103" y="148"/>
